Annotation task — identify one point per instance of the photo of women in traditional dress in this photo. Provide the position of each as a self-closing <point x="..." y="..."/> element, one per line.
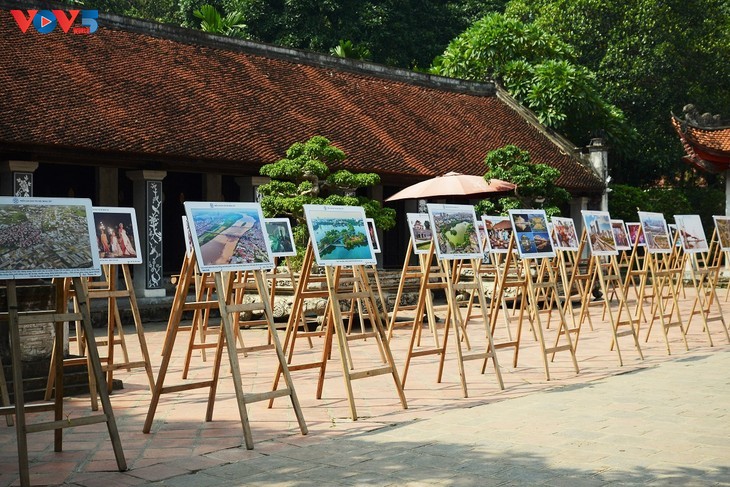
<point x="116" y="231"/>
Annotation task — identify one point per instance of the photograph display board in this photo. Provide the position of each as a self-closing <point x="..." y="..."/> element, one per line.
<point x="281" y="237"/>
<point x="339" y="235"/>
<point x="564" y="233"/>
<point x="655" y="232"/>
<point x="691" y="233"/>
<point x="620" y="235"/>
<point x="229" y="236"/>
<point x="499" y="231"/>
<point x="373" y="234"/>
<point x="421" y="235"/>
<point x="722" y="224"/>
<point x="600" y="232"/>
<point x="455" y="231"/>
<point x="188" y="236"/>
<point x="531" y="233"/>
<point x="483" y="241"/>
<point x="633" y="228"/>
<point x="46" y="238"/>
<point x="116" y="235"/>
<point x="673" y="234"/>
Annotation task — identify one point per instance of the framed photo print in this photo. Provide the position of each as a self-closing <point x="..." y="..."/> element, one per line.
<point x="229" y="236"/>
<point x="281" y="237"/>
<point x="599" y="232"/>
<point x="722" y="224"/>
<point x="455" y="231"/>
<point x="565" y="235"/>
<point x="655" y="232"/>
<point x="187" y="235"/>
<point x="673" y="235"/>
<point x="531" y="233"/>
<point x="116" y="235"/>
<point x="691" y="233"/>
<point x="339" y="235"/>
<point x="47" y="238"/>
<point x="420" y="228"/>
<point x="620" y="235"/>
<point x="499" y="232"/>
<point x="373" y="234"/>
<point x="634" y="231"/>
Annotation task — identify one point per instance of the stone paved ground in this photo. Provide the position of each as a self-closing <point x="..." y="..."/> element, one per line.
<point x="660" y="421"/>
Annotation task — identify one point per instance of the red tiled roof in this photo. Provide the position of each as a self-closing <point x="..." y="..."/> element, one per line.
<point x="139" y="92"/>
<point x="707" y="148"/>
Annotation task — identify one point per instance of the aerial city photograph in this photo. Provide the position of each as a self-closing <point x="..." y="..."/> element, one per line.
<point x="44" y="237"/>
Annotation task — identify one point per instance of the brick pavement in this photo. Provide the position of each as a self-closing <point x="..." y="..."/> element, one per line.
<point x="661" y="421"/>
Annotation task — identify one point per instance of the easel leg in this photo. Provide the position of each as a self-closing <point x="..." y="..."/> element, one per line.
<point x="18" y="384"/>
<point x="96" y="365"/>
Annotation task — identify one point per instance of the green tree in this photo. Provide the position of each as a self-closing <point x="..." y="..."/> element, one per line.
<point x="540" y="71"/>
<point x="650" y="58"/>
<point x="213" y="22"/>
<point x="624" y="201"/>
<point x="158" y="10"/>
<point x="304" y="177"/>
<point x="346" y="49"/>
<point x="396" y="32"/>
<point x="536" y="186"/>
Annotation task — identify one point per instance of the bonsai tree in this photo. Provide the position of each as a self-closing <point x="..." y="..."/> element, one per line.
<point x="304" y="177"/>
<point x="536" y="186"/>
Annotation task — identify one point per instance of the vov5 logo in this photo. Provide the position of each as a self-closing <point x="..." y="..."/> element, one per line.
<point x="45" y="21"/>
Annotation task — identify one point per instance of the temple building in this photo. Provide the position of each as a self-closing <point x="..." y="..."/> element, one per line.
<point x="149" y="115"/>
<point x="706" y="141"/>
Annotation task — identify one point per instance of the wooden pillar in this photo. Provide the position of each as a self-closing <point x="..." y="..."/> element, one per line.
<point x="212" y="187"/>
<point x="107" y="186"/>
<point x="249" y="187"/>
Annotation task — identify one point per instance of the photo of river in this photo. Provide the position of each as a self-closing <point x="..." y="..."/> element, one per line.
<point x="339" y="235"/>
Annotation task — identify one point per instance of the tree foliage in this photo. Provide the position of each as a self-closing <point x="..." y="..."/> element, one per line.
<point x="539" y="70"/>
<point x="213" y="22"/>
<point x="158" y="10"/>
<point x="535" y="183"/>
<point x="346" y="49"/>
<point x="304" y="177"/>
<point x="397" y="32"/>
<point x="650" y="58"/>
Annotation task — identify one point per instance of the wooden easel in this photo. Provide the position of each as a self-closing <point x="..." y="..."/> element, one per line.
<point x="431" y="278"/>
<point x="623" y="323"/>
<point x="666" y="302"/>
<point x="341" y="285"/>
<point x="530" y="294"/>
<point x="309" y="286"/>
<point x="58" y="317"/>
<point x="202" y="306"/>
<point x="107" y="289"/>
<point x="412" y="272"/>
<point x="636" y="268"/>
<point x="705" y="272"/>
<point x="227" y="336"/>
<point x="455" y="283"/>
<point x="509" y="274"/>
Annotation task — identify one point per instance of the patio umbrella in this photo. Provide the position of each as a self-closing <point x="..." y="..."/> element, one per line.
<point x="452" y="184"/>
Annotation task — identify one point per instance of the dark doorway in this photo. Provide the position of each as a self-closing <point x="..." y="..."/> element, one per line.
<point x="64" y="181"/>
<point x="177" y="188"/>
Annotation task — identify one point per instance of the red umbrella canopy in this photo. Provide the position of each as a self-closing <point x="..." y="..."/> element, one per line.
<point x="452" y="184"/>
